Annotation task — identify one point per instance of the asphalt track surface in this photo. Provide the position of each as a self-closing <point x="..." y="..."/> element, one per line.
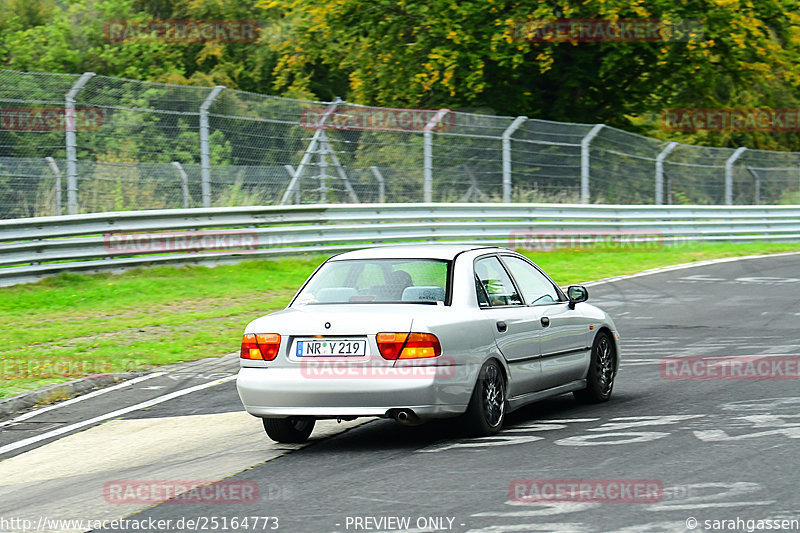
<point x="716" y="449"/>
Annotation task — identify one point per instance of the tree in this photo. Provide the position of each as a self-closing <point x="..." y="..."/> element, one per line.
<point x="424" y="53"/>
<point x="38" y="35"/>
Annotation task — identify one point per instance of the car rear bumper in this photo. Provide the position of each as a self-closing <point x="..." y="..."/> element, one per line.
<point x="276" y="392"/>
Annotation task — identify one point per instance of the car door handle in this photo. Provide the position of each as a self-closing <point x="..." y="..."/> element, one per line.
<point x="545" y="321"/>
<point x="502" y="326"/>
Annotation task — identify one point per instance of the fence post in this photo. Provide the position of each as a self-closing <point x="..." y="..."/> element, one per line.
<point x="585" y="161"/>
<point x="729" y="174"/>
<point x="205" y="153"/>
<point x="660" y="171"/>
<point x="294" y="183"/>
<point x="427" y="165"/>
<point x="184" y="183"/>
<point x="381" y="183"/>
<point x="72" y="155"/>
<point x="290" y="170"/>
<point x="54" y="168"/>
<point x="507" y="156"/>
<point x="322" y="163"/>
<point x="756" y="185"/>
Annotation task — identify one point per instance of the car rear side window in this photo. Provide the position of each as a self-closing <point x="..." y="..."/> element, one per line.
<point x="493" y="278"/>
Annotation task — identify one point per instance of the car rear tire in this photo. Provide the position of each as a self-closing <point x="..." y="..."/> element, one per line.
<point x="289" y="430"/>
<point x="487" y="406"/>
<point x="602" y="369"/>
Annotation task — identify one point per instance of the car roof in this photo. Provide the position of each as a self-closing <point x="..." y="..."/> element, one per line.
<point x="414" y="251"/>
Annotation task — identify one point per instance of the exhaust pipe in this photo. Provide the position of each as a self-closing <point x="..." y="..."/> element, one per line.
<point x="407" y="417"/>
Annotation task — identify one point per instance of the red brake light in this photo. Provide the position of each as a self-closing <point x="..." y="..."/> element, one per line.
<point x="408" y="346"/>
<point x="260" y="347"/>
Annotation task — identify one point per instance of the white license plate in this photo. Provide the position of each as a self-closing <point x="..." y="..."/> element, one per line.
<point x="331" y="348"/>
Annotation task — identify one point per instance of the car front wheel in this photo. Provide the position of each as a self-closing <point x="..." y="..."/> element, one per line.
<point x="290" y="430"/>
<point x="487" y="406"/>
<point x="600" y="380"/>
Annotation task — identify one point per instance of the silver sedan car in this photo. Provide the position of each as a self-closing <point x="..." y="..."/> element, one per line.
<point x="419" y="332"/>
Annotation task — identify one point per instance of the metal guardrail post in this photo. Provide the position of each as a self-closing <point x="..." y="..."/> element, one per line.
<point x="507" y="156"/>
<point x="660" y="171"/>
<point x="205" y="153"/>
<point x="585" y="142"/>
<point x="184" y="183"/>
<point x="427" y="186"/>
<point x="729" y="174"/>
<point x="57" y="172"/>
<point x="71" y="143"/>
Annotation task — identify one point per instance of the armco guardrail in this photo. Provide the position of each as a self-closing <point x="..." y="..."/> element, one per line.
<point x="35" y="247"/>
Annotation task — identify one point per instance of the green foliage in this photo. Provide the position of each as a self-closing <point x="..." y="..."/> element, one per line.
<point x="431" y="54"/>
<point x="39" y="35"/>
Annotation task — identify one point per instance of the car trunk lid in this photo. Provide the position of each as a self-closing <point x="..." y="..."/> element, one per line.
<point x="348" y="327"/>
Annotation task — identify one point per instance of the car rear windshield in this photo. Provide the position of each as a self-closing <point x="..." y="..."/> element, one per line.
<point x="373" y="281"/>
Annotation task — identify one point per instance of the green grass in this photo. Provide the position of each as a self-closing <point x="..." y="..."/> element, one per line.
<point x="578" y="265"/>
<point x="83" y="324"/>
<point x="72" y="325"/>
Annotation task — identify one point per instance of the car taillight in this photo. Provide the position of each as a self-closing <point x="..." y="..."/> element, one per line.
<point x="260" y="346"/>
<point x="408" y="345"/>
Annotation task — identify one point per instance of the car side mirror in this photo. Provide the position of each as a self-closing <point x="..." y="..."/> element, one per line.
<point x="577" y="294"/>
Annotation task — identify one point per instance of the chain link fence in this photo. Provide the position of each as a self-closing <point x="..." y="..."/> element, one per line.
<point x="87" y="143"/>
